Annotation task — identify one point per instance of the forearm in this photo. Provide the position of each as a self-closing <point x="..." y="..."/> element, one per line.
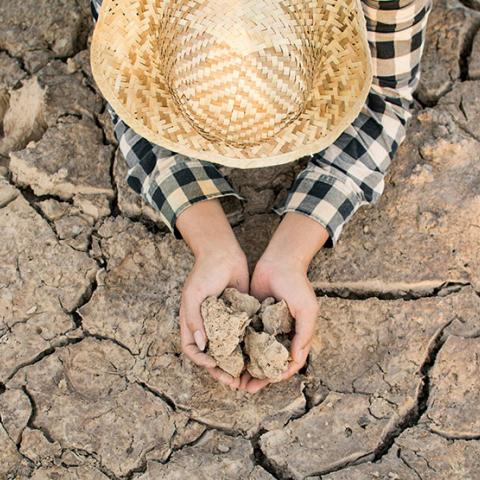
<point x="207" y="231"/>
<point x="219" y="263"/>
<point x="297" y="239"/>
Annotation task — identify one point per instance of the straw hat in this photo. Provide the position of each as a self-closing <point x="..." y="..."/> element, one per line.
<point x="242" y="83"/>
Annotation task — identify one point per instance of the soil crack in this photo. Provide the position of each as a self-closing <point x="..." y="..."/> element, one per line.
<point x="384" y="291"/>
<point x="412" y="416"/>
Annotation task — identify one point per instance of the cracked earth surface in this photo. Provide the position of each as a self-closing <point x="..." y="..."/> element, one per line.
<point x="93" y="384"/>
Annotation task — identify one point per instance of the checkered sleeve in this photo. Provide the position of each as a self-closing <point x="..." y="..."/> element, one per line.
<point x="350" y="172"/>
<point x="169" y="181"/>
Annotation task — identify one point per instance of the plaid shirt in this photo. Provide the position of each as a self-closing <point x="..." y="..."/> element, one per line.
<point x="338" y="180"/>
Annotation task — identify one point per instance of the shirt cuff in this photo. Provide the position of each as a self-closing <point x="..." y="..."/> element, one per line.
<point x="177" y="184"/>
<point x="324" y="198"/>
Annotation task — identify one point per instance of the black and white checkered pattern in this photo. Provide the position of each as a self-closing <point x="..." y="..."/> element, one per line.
<point x="350" y="172"/>
<point x="338" y="180"/>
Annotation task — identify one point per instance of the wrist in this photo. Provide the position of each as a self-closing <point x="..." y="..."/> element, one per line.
<point x="207" y="231"/>
<point x="276" y="256"/>
<point x="221" y="250"/>
<point x="296" y="241"/>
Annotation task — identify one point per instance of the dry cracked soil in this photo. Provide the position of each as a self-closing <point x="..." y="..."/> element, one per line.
<point x="93" y="383"/>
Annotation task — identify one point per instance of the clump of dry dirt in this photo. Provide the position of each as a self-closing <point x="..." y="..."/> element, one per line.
<point x="244" y="334"/>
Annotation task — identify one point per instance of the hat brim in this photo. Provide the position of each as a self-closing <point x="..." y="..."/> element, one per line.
<point x="129" y="78"/>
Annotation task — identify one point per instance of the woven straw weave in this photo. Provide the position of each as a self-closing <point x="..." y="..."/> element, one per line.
<point x="243" y="83"/>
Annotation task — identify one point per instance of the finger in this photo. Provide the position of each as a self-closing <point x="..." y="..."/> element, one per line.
<point x="295" y="365"/>
<point x="191" y="302"/>
<point x="305" y="322"/>
<point x="196" y="356"/>
<point x="236" y="383"/>
<point x="256" y="384"/>
<point x="223" y="377"/>
<point x="260" y="290"/>
<point x="244" y="379"/>
<point x="240" y="283"/>
<point x="190" y="348"/>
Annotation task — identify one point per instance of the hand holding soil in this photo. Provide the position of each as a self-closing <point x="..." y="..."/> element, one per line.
<point x="280" y="273"/>
<point x="244" y="334"/>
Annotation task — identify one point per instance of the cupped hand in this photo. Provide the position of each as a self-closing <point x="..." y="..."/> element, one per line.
<point x="219" y="263"/>
<point x="210" y="275"/>
<point x="286" y="280"/>
<point x="281" y="273"/>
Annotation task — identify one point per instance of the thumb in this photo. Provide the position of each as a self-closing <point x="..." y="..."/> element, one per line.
<point x="305" y="319"/>
<point x="305" y="323"/>
<point x="241" y="283"/>
<point x="194" y="321"/>
<point x="260" y="288"/>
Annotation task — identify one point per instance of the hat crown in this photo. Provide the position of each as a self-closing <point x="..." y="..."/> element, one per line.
<point x="245" y="26"/>
<point x="239" y="71"/>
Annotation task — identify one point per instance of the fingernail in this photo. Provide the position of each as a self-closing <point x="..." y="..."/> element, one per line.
<point x="199" y="339"/>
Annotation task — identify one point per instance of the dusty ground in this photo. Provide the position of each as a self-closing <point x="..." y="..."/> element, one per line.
<point x="93" y="384"/>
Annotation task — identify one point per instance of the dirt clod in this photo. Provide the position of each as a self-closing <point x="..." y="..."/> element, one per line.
<point x="268" y="357"/>
<point x="277" y="318"/>
<point x="235" y="330"/>
<point x="241" y="301"/>
<point x="224" y="327"/>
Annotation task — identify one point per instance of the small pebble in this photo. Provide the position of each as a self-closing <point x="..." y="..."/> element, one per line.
<point x="31" y="310"/>
<point x="223" y="448"/>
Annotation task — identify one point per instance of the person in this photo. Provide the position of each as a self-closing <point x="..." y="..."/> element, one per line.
<point x="337" y="181"/>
